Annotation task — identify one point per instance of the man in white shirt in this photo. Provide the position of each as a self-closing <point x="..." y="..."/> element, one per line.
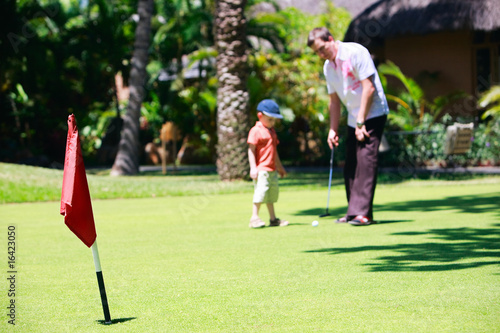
<point x="352" y="80"/>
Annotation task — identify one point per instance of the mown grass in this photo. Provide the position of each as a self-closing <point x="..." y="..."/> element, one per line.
<point x="21" y="183"/>
<point x="189" y="262"/>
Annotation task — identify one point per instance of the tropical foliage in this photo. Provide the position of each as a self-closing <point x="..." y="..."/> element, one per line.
<point x="425" y="146"/>
<point x="417" y="127"/>
<point x="61" y="57"/>
<point x="295" y="80"/>
<point x="410" y="100"/>
<point x="57" y="58"/>
<point x="490" y="100"/>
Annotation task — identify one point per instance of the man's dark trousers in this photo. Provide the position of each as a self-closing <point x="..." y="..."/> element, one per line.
<point x="361" y="166"/>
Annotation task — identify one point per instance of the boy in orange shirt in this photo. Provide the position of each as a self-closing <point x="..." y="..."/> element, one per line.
<point x="265" y="163"/>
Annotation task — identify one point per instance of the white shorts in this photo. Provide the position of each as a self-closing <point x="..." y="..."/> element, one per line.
<point x="266" y="188"/>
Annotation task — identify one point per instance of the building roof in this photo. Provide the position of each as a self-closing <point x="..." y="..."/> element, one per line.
<point x="318" y="6"/>
<point x="354" y="7"/>
<point x="388" y="18"/>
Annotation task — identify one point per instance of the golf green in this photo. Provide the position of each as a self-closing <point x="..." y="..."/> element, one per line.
<point x="191" y="264"/>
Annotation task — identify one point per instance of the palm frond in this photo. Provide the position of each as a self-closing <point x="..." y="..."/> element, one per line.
<point x="441" y="102"/>
<point x="201" y="54"/>
<point x="399" y="101"/>
<point x="411" y="86"/>
<point x="267" y="26"/>
<point x="494" y="111"/>
<point x="491" y="100"/>
<point x="491" y="96"/>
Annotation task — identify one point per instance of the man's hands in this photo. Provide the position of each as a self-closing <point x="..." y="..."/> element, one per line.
<point x="333" y="139"/>
<point x="361" y="133"/>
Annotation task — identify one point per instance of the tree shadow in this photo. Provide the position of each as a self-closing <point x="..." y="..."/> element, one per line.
<point x="297" y="224"/>
<point x="334" y="213"/>
<point x="473" y="204"/>
<point x="337" y="213"/>
<point x="393" y="221"/>
<point x="453" y="249"/>
<point x="400" y="174"/>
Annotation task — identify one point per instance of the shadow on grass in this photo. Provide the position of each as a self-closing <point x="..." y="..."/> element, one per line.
<point x="473" y="204"/>
<point x="393" y="221"/>
<point x="399" y="175"/>
<point x="297" y="224"/>
<point x="116" y="321"/>
<point x="453" y="249"/>
<point x="339" y="212"/>
<point x="335" y="213"/>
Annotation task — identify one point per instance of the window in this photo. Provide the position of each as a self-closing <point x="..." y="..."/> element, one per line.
<point x="483" y="69"/>
<point x="486" y="52"/>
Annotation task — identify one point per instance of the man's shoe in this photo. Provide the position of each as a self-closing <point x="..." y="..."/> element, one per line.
<point x="361" y="220"/>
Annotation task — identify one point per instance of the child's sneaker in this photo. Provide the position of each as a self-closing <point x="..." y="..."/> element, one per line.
<point x="278" y="223"/>
<point x="256" y="223"/>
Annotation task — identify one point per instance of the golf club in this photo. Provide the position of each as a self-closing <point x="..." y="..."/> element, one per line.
<point x="329" y="186"/>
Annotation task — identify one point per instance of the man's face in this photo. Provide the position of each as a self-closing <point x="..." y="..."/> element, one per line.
<point x="325" y="50"/>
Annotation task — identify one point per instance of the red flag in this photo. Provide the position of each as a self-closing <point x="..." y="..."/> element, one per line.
<point x="75" y="198"/>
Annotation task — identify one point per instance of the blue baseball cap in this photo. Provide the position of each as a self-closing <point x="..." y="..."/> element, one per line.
<point x="269" y="108"/>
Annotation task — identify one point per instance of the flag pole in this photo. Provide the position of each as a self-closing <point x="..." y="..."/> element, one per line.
<point x="100" y="281"/>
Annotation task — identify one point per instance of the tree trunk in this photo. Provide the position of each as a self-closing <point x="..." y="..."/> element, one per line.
<point x="127" y="159"/>
<point x="232" y="94"/>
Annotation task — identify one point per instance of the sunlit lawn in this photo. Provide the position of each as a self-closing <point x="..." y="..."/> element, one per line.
<point x="189" y="262"/>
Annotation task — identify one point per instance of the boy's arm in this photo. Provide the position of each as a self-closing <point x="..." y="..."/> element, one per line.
<point x="253" y="162"/>
<point x="279" y="167"/>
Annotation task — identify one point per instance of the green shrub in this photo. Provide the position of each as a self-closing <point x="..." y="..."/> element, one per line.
<point x="425" y="146"/>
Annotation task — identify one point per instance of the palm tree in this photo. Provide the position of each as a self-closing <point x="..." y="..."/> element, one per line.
<point x="232" y="94"/>
<point x="127" y="159"/>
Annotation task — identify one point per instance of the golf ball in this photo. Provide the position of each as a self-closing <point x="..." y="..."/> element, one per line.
<point x="315" y="223"/>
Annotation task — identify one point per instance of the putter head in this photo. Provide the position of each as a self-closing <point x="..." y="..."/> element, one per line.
<point x="324" y="215"/>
